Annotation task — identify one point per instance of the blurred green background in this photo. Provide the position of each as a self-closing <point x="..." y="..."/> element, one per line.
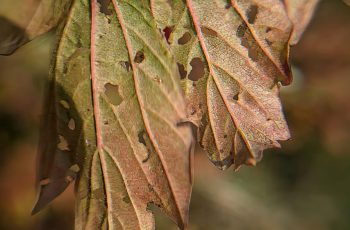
<point x="304" y="185"/>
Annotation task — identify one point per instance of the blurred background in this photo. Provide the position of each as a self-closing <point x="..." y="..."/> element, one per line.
<point x="304" y="185"/>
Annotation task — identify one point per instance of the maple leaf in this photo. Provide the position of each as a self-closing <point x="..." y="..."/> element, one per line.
<point x="233" y="54"/>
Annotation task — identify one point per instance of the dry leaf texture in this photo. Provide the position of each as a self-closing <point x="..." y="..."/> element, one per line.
<point x="231" y="55"/>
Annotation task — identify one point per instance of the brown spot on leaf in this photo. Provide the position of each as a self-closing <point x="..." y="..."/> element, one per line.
<point x="208" y="31"/>
<point x="228" y="5"/>
<point x="268" y="29"/>
<point x="182" y="71"/>
<point x="197" y="71"/>
<point x="139" y="57"/>
<point x="112" y="93"/>
<point x="186" y="37"/>
<point x="235" y="97"/>
<point x="252" y="13"/>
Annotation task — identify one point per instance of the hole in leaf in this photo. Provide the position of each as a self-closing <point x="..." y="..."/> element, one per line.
<point x="268" y="42"/>
<point x="252" y="51"/>
<point x="167" y="32"/>
<point x="141" y="137"/>
<point x="64" y="104"/>
<point x="75" y="168"/>
<point x="182" y="71"/>
<point x="71" y="124"/>
<point x="139" y="57"/>
<point x="104" y="6"/>
<point x="241" y="30"/>
<point x="147" y="157"/>
<point x="252" y="13"/>
<point x="184" y="39"/>
<point x="126" y="65"/>
<point x="208" y="31"/>
<point x="235" y="97"/>
<point x="268" y="29"/>
<point x="69" y="178"/>
<point x="126" y="199"/>
<point x="62" y="144"/>
<point x="158" y="79"/>
<point x="197" y="71"/>
<point x="112" y="94"/>
<point x="45" y="181"/>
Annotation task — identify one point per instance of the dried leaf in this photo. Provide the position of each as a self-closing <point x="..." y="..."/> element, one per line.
<point x="300" y="12"/>
<point x="115" y="77"/>
<point x="233" y="54"/>
<point x="47" y="15"/>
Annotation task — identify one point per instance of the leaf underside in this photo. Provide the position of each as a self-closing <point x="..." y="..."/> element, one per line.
<point x="115" y="114"/>
<point x="116" y="120"/>
<point x="233" y="54"/>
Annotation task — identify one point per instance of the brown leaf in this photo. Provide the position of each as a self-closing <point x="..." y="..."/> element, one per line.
<point x="114" y="76"/>
<point x="236" y="55"/>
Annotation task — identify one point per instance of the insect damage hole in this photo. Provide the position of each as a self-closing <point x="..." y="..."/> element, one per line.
<point x="142" y="139"/>
<point x="112" y="93"/>
<point x="186" y="37"/>
<point x="252" y="13"/>
<point x="139" y="57"/>
<point x="71" y="124"/>
<point x="167" y="32"/>
<point x="105" y="6"/>
<point x="197" y="71"/>
<point x="65" y="104"/>
<point x="126" y="65"/>
<point x="62" y="144"/>
<point x="182" y="71"/>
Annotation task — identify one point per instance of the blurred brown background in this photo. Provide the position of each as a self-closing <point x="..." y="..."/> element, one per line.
<point x="304" y="185"/>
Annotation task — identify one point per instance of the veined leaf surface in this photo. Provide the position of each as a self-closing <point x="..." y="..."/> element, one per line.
<point x="231" y="56"/>
<point x="114" y="77"/>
